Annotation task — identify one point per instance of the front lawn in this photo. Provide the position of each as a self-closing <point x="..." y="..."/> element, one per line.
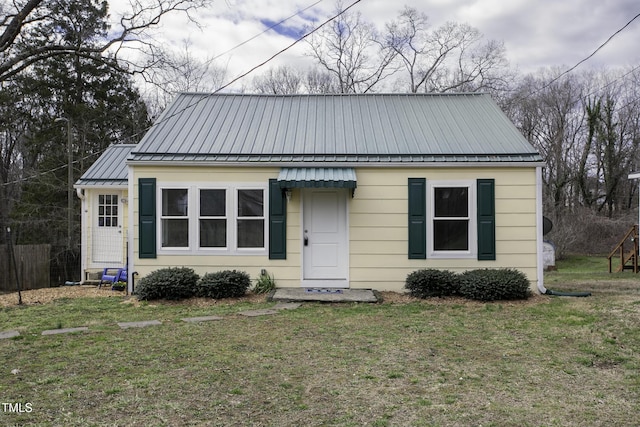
<point x="547" y="361"/>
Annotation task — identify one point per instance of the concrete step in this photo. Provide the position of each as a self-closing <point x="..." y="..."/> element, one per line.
<point x="324" y="295"/>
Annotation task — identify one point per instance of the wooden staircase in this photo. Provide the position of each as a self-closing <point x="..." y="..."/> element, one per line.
<point x="627" y="260"/>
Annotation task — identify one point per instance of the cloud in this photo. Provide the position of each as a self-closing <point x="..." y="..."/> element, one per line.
<point x="536" y="34"/>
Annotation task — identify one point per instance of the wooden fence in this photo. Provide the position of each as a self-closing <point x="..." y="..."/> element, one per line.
<point x="33" y="262"/>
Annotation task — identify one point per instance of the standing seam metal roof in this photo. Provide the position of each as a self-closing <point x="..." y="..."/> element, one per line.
<point x="334" y="128"/>
<point x="109" y="169"/>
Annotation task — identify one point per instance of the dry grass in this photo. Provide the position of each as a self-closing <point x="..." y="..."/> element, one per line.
<point x="441" y="362"/>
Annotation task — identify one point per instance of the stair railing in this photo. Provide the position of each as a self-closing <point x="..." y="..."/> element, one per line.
<point x="619" y="251"/>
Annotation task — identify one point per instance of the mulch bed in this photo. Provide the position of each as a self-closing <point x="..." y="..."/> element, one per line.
<point x="47" y="295"/>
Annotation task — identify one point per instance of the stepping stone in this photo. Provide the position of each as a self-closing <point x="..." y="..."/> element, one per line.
<point x="64" y="331"/>
<point x="9" y="334"/>
<point x="140" y="324"/>
<point x="256" y="313"/>
<point x="201" y="319"/>
<point x="287" y="306"/>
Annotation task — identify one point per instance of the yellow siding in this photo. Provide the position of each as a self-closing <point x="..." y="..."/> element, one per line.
<point x="286" y="272"/>
<point x="378" y="237"/>
<point x="377" y="224"/>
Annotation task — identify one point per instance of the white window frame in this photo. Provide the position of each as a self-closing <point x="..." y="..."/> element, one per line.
<point x="227" y="202"/>
<point x="237" y="217"/>
<point x="231" y="198"/>
<point x="162" y="217"/>
<point x="472" y="218"/>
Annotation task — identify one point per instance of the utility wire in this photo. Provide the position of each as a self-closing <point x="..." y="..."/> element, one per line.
<point x="182" y="110"/>
<point x="267" y="30"/>
<point x="163" y="119"/>
<point x="241" y="76"/>
<point x="564" y="73"/>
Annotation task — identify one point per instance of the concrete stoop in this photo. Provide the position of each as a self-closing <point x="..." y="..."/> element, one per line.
<point x="324" y="295"/>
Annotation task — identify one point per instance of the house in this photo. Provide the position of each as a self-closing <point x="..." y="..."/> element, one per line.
<point x="346" y="191"/>
<point x="103" y="192"/>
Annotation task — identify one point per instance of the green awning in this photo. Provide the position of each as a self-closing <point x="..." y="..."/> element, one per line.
<point x="317" y="178"/>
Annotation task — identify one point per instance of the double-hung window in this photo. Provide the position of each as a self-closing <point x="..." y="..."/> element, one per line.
<point x="250" y="219"/>
<point x="213" y="218"/>
<point x="451" y="220"/>
<point x="175" y="218"/>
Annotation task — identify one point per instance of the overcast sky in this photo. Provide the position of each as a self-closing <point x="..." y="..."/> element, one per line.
<point x="536" y="33"/>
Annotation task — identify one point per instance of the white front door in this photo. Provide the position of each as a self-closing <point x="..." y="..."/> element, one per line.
<point x="325" y="238"/>
<point x="107" y="238"/>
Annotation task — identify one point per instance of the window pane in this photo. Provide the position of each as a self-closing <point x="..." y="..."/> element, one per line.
<point x="213" y="233"/>
<point x="175" y="233"/>
<point x="212" y="203"/>
<point x="174" y="202"/>
<point x="451" y="202"/>
<point x="250" y="233"/>
<point x="451" y="235"/>
<point x="250" y="203"/>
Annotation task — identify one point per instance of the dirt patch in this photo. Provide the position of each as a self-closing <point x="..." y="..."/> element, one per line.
<point x="47" y="295"/>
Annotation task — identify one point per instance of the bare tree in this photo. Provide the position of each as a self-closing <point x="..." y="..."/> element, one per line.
<point x="551" y="118"/>
<point x="289" y="80"/>
<point x="616" y="148"/>
<point x="278" y="81"/>
<point x="320" y="81"/>
<point x="452" y="57"/>
<point x="182" y="71"/>
<point x="349" y="49"/>
<point x="29" y="34"/>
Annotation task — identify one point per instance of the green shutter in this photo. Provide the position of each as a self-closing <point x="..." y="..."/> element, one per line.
<point x="486" y="220"/>
<point x="417" y="218"/>
<point x="277" y="221"/>
<point x="147" y="217"/>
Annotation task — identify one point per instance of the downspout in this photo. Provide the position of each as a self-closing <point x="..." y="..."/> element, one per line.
<point x="130" y="222"/>
<point x="83" y="234"/>
<point x="541" y="288"/>
<point x="539" y="242"/>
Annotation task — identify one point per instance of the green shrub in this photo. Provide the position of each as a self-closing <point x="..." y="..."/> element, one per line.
<point x="432" y="283"/>
<point x="224" y="284"/>
<point x="494" y="284"/>
<point x="167" y="283"/>
<point x="264" y="284"/>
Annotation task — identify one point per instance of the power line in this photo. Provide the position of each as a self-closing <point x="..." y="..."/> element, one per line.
<point x="267" y="30"/>
<point x="39" y="174"/>
<point x="241" y="76"/>
<point x="564" y="73"/>
<point x="131" y="137"/>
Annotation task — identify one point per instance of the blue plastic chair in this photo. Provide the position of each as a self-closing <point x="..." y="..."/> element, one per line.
<point x="111" y="275"/>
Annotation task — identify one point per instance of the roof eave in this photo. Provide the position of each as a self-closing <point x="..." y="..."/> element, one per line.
<point x="321" y="164"/>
